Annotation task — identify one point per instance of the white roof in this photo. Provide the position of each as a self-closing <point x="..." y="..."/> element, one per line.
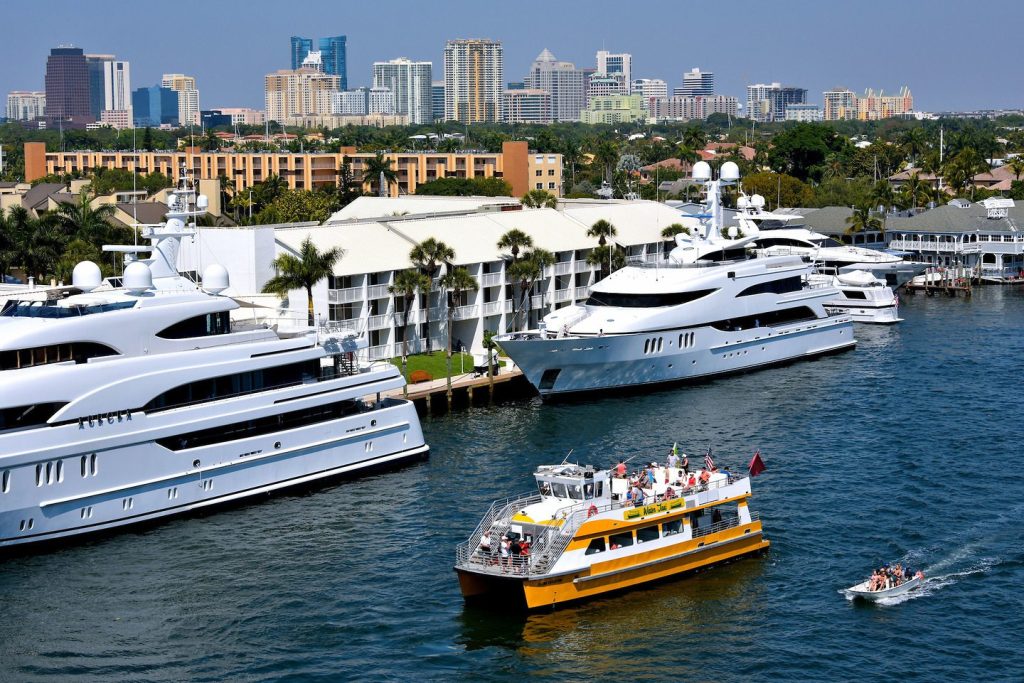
<point x="369" y="247"/>
<point x="408" y="205"/>
<point x="636" y="222"/>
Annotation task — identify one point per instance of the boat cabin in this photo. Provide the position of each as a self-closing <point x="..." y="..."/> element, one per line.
<point x="573" y="483"/>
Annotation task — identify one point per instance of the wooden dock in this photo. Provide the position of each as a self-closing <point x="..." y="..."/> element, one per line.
<point x="948" y="281"/>
<point x="467" y="390"/>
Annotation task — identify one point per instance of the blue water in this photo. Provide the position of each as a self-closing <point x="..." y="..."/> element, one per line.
<point x="905" y="449"/>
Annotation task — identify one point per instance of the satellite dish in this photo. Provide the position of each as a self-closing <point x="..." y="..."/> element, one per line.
<point x="757" y="201"/>
<point x="743" y="202"/>
<point x="702" y="171"/>
<point x="729" y="172"/>
<point x="202" y="202"/>
<point x="86" y="276"/>
<point x="733" y="232"/>
<point x="138" y="277"/>
<point x="215" y="278"/>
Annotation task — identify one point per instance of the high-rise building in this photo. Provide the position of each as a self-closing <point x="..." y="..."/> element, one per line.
<point x="301" y="47"/>
<point x="649" y="89"/>
<point x="110" y="90"/>
<point x="683" y="108"/>
<point x="603" y="86"/>
<point x="473" y="73"/>
<point x="437" y="99"/>
<point x="526" y="106"/>
<point x="840" y="105"/>
<point x="566" y="84"/>
<point x="94" y="63"/>
<point x="614" y="109"/>
<point x="806" y="113"/>
<point x="697" y="82"/>
<point x="299" y="92"/>
<point x="188" y="97"/>
<point x="874" y="106"/>
<point x="332" y="57"/>
<point x="609" y="63"/>
<point x="67" y="89"/>
<point x="155" y="106"/>
<point x="25" y="105"/>
<point x="767" y="102"/>
<point x="410" y="83"/>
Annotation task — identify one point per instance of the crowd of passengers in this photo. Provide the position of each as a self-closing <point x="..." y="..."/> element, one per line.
<point x="511" y="553"/>
<point x="886" y="577"/>
<point x="678" y="477"/>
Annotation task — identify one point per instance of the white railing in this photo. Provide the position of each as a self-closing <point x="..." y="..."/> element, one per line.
<point x="353" y="326"/>
<point x="582" y="292"/>
<point x="382" y="352"/>
<point x="490" y="279"/>
<point x="496" y="307"/>
<point x="465" y="312"/>
<point x="379" y="322"/>
<point x="377" y="292"/>
<point x="931" y="245"/>
<point x="537" y="301"/>
<point x="563" y="295"/>
<point x="345" y="296"/>
<point x="581" y="266"/>
<point x="563" y="268"/>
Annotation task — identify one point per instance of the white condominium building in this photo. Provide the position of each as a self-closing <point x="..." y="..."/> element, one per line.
<point x="566" y="84"/>
<point x="188" y="97"/>
<point x="410" y="84"/>
<point x="25" y="105"/>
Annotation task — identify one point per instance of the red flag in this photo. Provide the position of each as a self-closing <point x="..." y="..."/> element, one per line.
<point x="756" y="465"/>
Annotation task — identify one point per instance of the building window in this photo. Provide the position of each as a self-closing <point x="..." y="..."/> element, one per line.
<point x="540" y="186"/>
<point x="538" y="172"/>
<point x="551" y="171"/>
<point x="551" y="186"/>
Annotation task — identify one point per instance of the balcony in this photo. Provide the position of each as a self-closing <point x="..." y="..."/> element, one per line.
<point x="562" y="295"/>
<point x="933" y="246"/>
<point x="345" y="296"/>
<point x="498" y="307"/>
<point x="537" y="302"/>
<point x="379" y="322"/>
<point x="581" y="266"/>
<point x="491" y="279"/>
<point x="377" y="292"/>
<point x="582" y="293"/>
<point x="563" y="268"/>
<point x="382" y="352"/>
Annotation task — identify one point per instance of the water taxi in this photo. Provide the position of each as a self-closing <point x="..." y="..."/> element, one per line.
<point x="862" y="591"/>
<point x="587" y="531"/>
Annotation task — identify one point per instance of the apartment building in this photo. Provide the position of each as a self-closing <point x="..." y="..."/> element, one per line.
<point x="474" y="80"/>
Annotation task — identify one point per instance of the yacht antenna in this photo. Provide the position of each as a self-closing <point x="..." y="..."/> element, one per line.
<point x="566" y="458"/>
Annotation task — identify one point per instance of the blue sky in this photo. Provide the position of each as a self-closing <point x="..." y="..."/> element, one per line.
<point x="953" y="55"/>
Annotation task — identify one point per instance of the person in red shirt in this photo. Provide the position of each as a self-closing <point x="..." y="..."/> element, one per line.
<point x="620" y="470"/>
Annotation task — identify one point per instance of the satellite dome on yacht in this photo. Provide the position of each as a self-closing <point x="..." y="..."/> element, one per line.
<point x="86" y="276"/>
<point x="138" y="278"/>
<point x="215" y="278"/>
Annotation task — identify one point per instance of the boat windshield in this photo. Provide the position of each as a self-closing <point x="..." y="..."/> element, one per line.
<point x="50" y="309"/>
<point x="828" y="242"/>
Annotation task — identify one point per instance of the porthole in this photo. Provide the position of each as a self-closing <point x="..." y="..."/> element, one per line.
<point x="49" y="473"/>
<point x="373" y="423"/>
<point x="196" y="464"/>
<point x="85" y="466"/>
<point x="681" y="340"/>
<point x="93" y="465"/>
<point x="60" y="470"/>
<point x="39" y="475"/>
<point x="647" y="346"/>
<point x="277" y="444"/>
<point x="31" y="523"/>
<point x="5" y="483"/>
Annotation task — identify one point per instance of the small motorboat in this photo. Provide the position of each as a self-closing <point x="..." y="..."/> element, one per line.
<point x="861" y="590"/>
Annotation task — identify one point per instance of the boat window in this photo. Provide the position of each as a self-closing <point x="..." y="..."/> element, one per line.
<point x="620" y="540"/>
<point x="559" y="490"/>
<point x="621" y="300"/>
<point x="576" y="491"/>
<point x="673" y="527"/>
<point x="78" y="352"/>
<point x="588" y="490"/>
<point x="225" y="386"/>
<point x="647" y="534"/>
<point x="198" y="326"/>
<point x="600" y="489"/>
<point x="28" y="416"/>
<point x="854" y="294"/>
<point x="262" y="426"/>
<point x="766" y="319"/>
<point x="780" y="286"/>
<point x="596" y="546"/>
<point x="766" y="242"/>
<point x="544" y="488"/>
<point x="50" y="309"/>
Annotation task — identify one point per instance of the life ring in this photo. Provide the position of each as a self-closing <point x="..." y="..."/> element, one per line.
<point x="591" y="511"/>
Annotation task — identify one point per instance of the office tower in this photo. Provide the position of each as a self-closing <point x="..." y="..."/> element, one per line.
<point x="697" y="82"/>
<point x="410" y="82"/>
<point x="299" y="92"/>
<point x="614" y="109"/>
<point x="188" y="97"/>
<point x="332" y="54"/>
<point x="526" y="106"/>
<point x="155" y="106"/>
<point x="473" y="72"/>
<point x="609" y="63"/>
<point x="25" y="105"/>
<point x="301" y="47"/>
<point x="768" y="102"/>
<point x="566" y="84"/>
<point x="437" y="99"/>
<point x="67" y="89"/>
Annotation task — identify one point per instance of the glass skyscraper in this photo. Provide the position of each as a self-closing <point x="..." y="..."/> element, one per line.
<point x="301" y="47"/>
<point x="155" y="106"/>
<point x="332" y="55"/>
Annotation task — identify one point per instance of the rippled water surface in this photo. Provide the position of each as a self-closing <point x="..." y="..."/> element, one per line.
<point x="906" y="449"/>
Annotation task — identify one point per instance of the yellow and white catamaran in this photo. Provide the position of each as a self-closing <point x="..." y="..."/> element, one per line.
<point x="588" y="531"/>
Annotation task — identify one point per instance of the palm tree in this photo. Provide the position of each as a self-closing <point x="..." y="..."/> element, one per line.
<point x="915" y="192"/>
<point x="379" y="167"/>
<point x="571" y="156"/>
<point x="514" y="240"/>
<point x="861" y="220"/>
<point x="694" y="137"/>
<point x="406" y="284"/>
<point x="525" y="272"/>
<point x="428" y="255"/>
<point x="606" y="154"/>
<point x="36" y="243"/>
<point x="302" y="271"/>
<point x="83" y="220"/>
<point x="882" y="195"/>
<point x="602" y="230"/>
<point x="607" y="258"/>
<point x="489" y="346"/>
<point x="1017" y="166"/>
<point x="671" y="231"/>
<point x="457" y="282"/>
<point x="539" y="199"/>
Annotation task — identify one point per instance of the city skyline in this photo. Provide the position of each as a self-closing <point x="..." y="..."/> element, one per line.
<point x="874" y="57"/>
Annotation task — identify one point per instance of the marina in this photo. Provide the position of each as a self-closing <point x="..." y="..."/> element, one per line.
<point x="834" y="500"/>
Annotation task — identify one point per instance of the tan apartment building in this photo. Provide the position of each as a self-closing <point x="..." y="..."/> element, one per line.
<point x="474" y="80"/>
<point x="299" y="92"/>
<point x="522" y="169"/>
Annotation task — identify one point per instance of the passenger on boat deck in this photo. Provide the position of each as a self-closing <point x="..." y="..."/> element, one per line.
<point x="642" y="481"/>
<point x="686" y="464"/>
<point x="506" y="552"/>
<point x="673" y="460"/>
<point x="705" y="477"/>
<point x="692" y="481"/>
<point x="651" y="477"/>
<point x="620" y="469"/>
<point x="638" y="496"/>
<point x="669" y="493"/>
<point x="485" y="542"/>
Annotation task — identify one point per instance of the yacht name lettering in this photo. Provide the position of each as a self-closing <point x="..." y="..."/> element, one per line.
<point x="104" y="418"/>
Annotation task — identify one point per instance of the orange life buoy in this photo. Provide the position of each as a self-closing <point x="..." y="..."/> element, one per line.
<point x="591" y="511"/>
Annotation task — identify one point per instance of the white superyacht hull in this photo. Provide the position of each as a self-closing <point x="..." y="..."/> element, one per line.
<point x="120" y="475"/>
<point x="579" y="364"/>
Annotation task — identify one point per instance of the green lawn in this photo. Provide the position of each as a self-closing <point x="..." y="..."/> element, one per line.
<point x="435" y="363"/>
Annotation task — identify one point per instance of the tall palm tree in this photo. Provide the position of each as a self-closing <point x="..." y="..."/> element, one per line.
<point x="303" y="272"/>
<point x="406" y="284"/>
<point x="607" y="258"/>
<point x="694" y="137"/>
<point x="571" y="157"/>
<point x="428" y="255"/>
<point x="6" y="245"/>
<point x="539" y="199"/>
<point x="1017" y="166"/>
<point x="601" y="256"/>
<point x="883" y="196"/>
<point x="526" y="272"/>
<point x="515" y="240"/>
<point x="36" y="242"/>
<point x="915" y="191"/>
<point x="457" y="282"/>
<point x="82" y="219"/>
<point x="606" y="155"/>
<point x="379" y="167"/>
<point x="861" y="220"/>
<point x="602" y="230"/>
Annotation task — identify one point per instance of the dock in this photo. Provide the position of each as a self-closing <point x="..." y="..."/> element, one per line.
<point x="468" y="389"/>
<point x="948" y="281"/>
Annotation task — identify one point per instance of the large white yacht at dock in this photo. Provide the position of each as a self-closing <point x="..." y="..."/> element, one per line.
<point x="124" y="405"/>
<point x="708" y="310"/>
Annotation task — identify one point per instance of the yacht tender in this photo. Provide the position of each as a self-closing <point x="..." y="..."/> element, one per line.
<point x="708" y="310"/>
<point x="862" y="296"/>
<point x="126" y="405"/>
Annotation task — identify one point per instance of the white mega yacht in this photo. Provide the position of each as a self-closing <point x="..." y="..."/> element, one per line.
<point x="708" y="310"/>
<point x="775" y="237"/>
<point x="124" y="405"/>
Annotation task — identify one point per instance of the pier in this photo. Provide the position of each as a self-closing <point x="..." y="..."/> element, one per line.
<point x="468" y="389"/>
<point x="948" y="281"/>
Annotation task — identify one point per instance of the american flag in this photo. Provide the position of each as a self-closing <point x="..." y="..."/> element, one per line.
<point x="708" y="460"/>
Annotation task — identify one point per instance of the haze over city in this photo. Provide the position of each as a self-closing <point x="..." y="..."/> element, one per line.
<point x="229" y="48"/>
